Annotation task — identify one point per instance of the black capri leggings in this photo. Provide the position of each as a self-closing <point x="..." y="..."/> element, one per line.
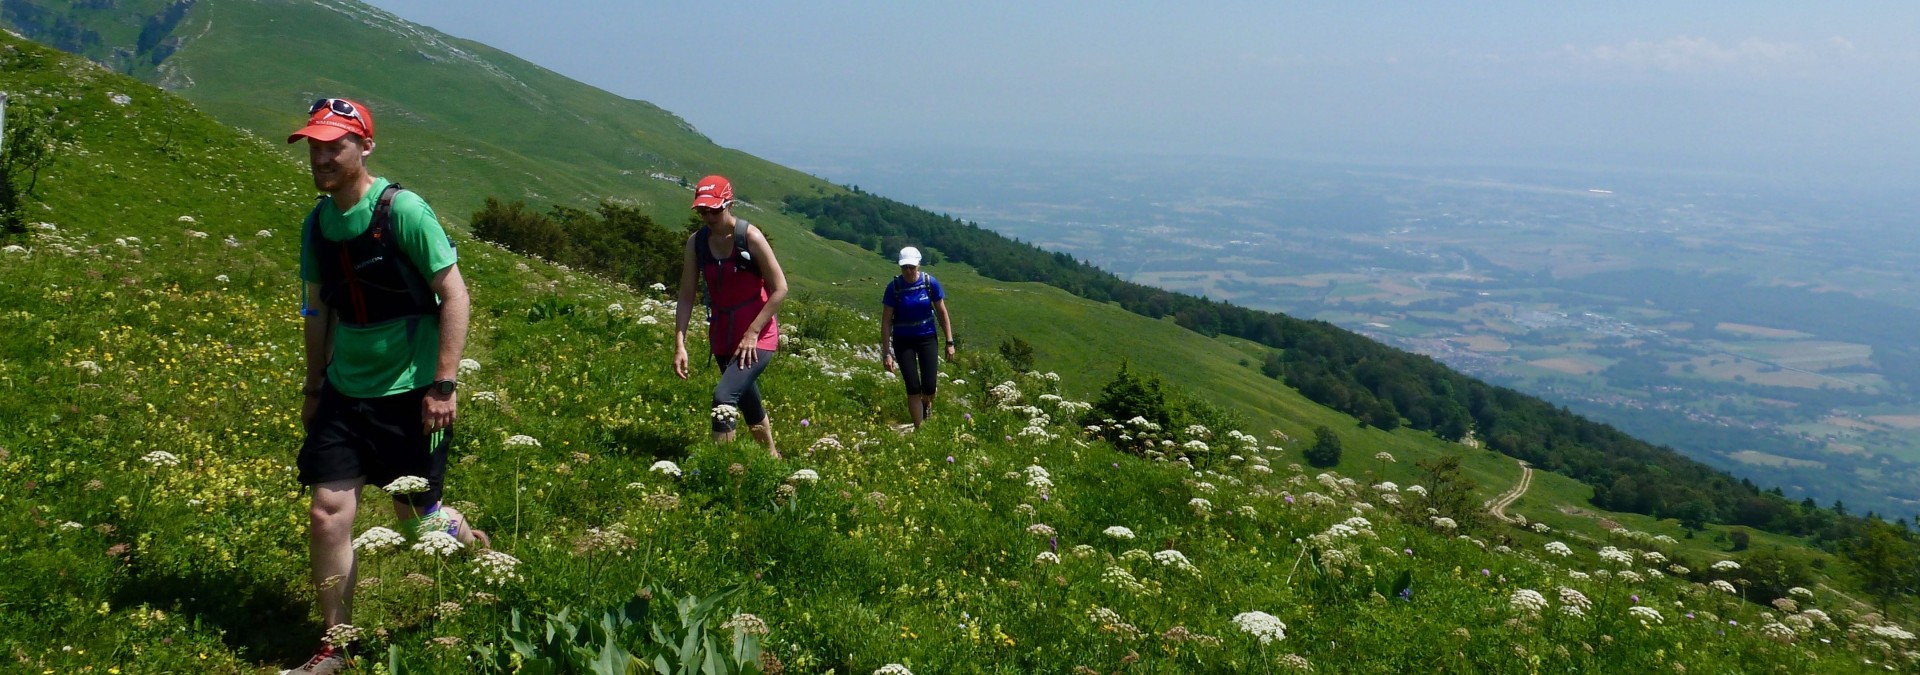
<point x="919" y="363"/>
<point x="740" y="388"/>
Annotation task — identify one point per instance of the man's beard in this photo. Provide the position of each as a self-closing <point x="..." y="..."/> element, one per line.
<point x="335" y="178"/>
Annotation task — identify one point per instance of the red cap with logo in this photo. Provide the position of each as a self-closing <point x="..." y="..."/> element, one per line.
<point x="713" y="192"/>
<point x="331" y="118"/>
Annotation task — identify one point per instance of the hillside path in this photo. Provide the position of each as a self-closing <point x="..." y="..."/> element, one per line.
<point x="1498" y="506"/>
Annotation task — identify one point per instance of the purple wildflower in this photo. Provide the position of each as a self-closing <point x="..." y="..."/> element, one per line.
<point x="805" y="423"/>
<point x="949" y="459"/>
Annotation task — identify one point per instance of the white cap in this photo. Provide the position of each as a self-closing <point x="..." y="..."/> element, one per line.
<point x="910" y="256"/>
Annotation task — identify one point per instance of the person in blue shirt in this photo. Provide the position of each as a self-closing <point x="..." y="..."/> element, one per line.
<point x="912" y="303"/>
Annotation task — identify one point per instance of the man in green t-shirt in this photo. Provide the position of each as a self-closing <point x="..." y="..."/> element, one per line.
<point x="386" y="320"/>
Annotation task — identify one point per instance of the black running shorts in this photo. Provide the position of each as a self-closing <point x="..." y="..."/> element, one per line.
<point x="378" y="439"/>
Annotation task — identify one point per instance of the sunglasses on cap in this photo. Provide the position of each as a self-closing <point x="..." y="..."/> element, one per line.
<point x="339" y="106"/>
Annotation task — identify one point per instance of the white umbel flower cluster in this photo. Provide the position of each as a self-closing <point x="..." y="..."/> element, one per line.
<point x="160" y="458"/>
<point x="522" y="441"/>
<point x="1646" y="614"/>
<point x="496" y="567"/>
<point x="1527" y="600"/>
<point x="1176" y="560"/>
<point x="1617" y="556"/>
<point x="1118" y="532"/>
<point x="1559" y="549"/>
<point x="406" y="485"/>
<point x="1262" y="626"/>
<point x="1725" y="566"/>
<point x="437" y="543"/>
<point x="377" y="538"/>
<point x="666" y="467"/>
<point x="804" y="476"/>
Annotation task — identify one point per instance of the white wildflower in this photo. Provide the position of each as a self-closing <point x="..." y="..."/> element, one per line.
<point x="1262" y="626"/>
<point x="406" y="485"/>
<point x="438" y="543"/>
<point x="340" y="634"/>
<point x="666" y="467"/>
<point x="1559" y="549"/>
<point x="1118" y="532"/>
<point x="1645" y="613"/>
<point x="1384" y="457"/>
<point x="658" y="287"/>
<point x="1722" y="586"/>
<point x="1444" y="523"/>
<point x="160" y="458"/>
<point x="1725" y="566"/>
<point x="804" y="476"/>
<point x="1176" y="560"/>
<point x="1617" y="556"/>
<point x="496" y="567"/>
<point x="376" y="539"/>
<point x="522" y="441"/>
<point x="1040" y="530"/>
<point x="892" y="669"/>
<point x="1527" y="600"/>
<point x="1046" y="558"/>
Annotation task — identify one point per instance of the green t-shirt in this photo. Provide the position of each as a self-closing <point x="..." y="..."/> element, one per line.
<point x="398" y="356"/>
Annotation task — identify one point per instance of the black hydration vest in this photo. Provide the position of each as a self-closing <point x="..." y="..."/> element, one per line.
<point x="369" y="280"/>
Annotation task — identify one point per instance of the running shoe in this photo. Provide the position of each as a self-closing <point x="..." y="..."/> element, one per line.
<point x="327" y="661"/>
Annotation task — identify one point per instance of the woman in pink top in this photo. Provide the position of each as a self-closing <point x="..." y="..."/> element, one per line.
<point x="744" y="290"/>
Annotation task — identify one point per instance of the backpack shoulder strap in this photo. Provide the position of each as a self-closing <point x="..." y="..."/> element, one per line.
<point x="702" y="253"/>
<point x="382" y="220"/>
<point x="743" y="258"/>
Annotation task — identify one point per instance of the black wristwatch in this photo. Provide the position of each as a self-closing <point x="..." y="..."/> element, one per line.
<point x="444" y="386"/>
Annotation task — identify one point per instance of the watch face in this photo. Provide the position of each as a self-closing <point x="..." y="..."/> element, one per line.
<point x="444" y="386"/>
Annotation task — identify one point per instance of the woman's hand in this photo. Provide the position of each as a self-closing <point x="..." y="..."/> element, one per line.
<point x="747" y="353"/>
<point x="886" y="362"/>
<point x="680" y="361"/>
<point x="950" y="352"/>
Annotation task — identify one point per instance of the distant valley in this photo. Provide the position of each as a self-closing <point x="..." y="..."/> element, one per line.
<point x="1762" y="332"/>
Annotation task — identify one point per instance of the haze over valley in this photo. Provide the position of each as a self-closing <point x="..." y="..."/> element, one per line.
<point x="1762" y="328"/>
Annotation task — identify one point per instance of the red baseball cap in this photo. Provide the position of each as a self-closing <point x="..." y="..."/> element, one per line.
<point x="332" y="118"/>
<point x="712" y="193"/>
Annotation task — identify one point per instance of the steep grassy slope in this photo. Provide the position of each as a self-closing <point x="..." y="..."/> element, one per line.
<point x="463" y="121"/>
<point x="460" y="121"/>
<point x="979" y="544"/>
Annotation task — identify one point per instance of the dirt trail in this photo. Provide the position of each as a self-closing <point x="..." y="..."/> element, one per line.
<point x="1498" y="506"/>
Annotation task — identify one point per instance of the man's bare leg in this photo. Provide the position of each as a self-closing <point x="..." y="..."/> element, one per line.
<point x="330" y="538"/>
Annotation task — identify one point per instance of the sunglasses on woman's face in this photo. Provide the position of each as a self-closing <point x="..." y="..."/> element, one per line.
<point x="339" y="106"/>
<point x="709" y="210"/>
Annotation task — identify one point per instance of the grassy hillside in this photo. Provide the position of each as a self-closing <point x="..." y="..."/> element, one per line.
<point x="459" y="121"/>
<point x="154" y="312"/>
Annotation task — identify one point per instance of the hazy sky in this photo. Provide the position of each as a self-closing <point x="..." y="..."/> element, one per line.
<point x="1782" y="88"/>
